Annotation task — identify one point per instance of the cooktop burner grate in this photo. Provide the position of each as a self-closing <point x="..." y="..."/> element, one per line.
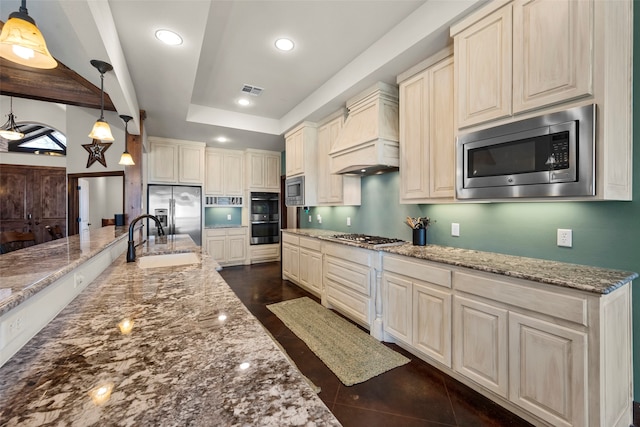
<point x="375" y="241"/>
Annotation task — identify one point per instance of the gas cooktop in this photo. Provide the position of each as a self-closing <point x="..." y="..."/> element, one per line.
<point x="373" y="241"/>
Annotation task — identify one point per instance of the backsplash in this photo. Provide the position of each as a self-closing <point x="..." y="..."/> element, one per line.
<point x="218" y="216"/>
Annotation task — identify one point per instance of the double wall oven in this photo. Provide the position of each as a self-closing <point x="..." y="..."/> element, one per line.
<point x="264" y="218"/>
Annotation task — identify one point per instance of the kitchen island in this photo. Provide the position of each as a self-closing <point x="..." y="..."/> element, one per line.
<point x="156" y="346"/>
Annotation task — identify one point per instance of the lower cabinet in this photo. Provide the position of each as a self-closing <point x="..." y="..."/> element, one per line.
<point x="554" y="356"/>
<point x="264" y="253"/>
<point x="417" y="306"/>
<point x="349" y="281"/>
<point x="302" y="262"/>
<point x="228" y="246"/>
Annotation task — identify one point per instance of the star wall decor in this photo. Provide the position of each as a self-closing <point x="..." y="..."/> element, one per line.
<point x="96" y="152"/>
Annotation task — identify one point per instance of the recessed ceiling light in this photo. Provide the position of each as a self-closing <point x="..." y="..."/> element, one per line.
<point x="169" y="37"/>
<point x="284" y="44"/>
<point x="222" y="139"/>
<point x="243" y="102"/>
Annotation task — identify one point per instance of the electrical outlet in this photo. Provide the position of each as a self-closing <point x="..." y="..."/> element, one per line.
<point x="455" y="229"/>
<point x="319" y="219"/>
<point x="228" y="217"/>
<point x="348" y="221"/>
<point x="565" y="237"/>
<point x="309" y="218"/>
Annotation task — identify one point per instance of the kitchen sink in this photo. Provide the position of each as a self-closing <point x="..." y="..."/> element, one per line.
<point x="168" y="260"/>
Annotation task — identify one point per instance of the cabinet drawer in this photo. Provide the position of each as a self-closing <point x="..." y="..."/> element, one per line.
<point x="348" y="274"/>
<point x="554" y="304"/>
<point x="236" y="231"/>
<point x="310" y="243"/>
<point x="355" y="255"/>
<point x="354" y="306"/>
<point x="216" y="232"/>
<point x="418" y="270"/>
<point x="290" y="238"/>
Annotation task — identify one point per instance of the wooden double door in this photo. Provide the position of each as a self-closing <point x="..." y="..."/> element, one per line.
<point x="32" y="197"/>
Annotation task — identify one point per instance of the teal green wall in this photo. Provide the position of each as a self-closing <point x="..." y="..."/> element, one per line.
<point x="605" y="234"/>
<point x="218" y="216"/>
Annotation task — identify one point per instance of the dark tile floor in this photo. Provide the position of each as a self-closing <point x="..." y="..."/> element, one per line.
<point x="415" y="394"/>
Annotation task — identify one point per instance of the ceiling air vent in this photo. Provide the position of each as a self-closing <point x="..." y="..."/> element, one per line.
<point x="252" y="90"/>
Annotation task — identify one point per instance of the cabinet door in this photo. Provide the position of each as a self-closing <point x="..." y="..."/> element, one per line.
<point x="548" y="370"/>
<point x="215" y="248"/>
<point x="256" y="171"/>
<point x="214" y="173"/>
<point x="480" y="343"/>
<point x="295" y="153"/>
<point x="432" y="322"/>
<point x="442" y="144"/>
<point x="233" y="173"/>
<point x="414" y="149"/>
<point x="236" y="249"/>
<point x="483" y="69"/>
<point x="397" y="312"/>
<point x="191" y="164"/>
<point x="290" y="261"/>
<point x="163" y="163"/>
<point x="311" y="269"/>
<point x="272" y="172"/>
<point x="552" y="52"/>
<point x="330" y="186"/>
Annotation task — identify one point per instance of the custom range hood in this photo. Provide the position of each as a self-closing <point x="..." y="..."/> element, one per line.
<point x="368" y="142"/>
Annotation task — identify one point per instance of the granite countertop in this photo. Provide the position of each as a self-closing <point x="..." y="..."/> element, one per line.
<point x="575" y="276"/>
<point x="26" y="272"/>
<point x="180" y="363"/>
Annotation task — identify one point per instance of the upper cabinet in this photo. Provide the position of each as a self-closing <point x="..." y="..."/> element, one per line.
<point x="427" y="144"/>
<point x="224" y="172"/>
<point x="301" y="145"/>
<point x="483" y="68"/>
<point x="333" y="189"/>
<point x="547" y="44"/>
<point x="176" y="161"/>
<point x="262" y="170"/>
<point x="563" y="54"/>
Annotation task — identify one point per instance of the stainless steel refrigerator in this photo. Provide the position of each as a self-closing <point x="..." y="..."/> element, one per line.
<point x="179" y="209"/>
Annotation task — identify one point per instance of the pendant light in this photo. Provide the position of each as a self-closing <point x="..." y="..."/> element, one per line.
<point x="101" y="129"/>
<point x="10" y="130"/>
<point x="126" y="158"/>
<point x="23" y="43"/>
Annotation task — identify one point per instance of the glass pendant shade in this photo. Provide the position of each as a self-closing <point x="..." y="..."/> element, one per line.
<point x="101" y="131"/>
<point x="10" y="130"/>
<point x="21" y="42"/>
<point x="126" y="159"/>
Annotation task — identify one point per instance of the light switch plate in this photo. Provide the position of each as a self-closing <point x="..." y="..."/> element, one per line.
<point x="455" y="229"/>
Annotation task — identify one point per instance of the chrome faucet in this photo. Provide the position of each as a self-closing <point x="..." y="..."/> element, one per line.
<point x="131" y="250"/>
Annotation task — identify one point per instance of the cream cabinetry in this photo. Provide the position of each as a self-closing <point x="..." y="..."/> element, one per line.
<point x="300" y="145"/>
<point x="264" y="253"/>
<point x="547" y="44"/>
<point x="302" y="261"/>
<point x="333" y="189"/>
<point x="544" y="350"/>
<point x="228" y="246"/>
<point x="416" y="297"/>
<point x="291" y="257"/>
<point x="262" y="170"/>
<point x="522" y="58"/>
<point x="310" y="264"/>
<point x="224" y="172"/>
<point x="349" y="281"/>
<point x="176" y="161"/>
<point x="427" y="143"/>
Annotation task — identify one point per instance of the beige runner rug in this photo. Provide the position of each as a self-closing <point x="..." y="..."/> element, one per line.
<point x="352" y="354"/>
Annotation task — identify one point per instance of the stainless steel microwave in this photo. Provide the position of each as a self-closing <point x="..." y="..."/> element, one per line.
<point x="544" y="156"/>
<point x="294" y="191"/>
